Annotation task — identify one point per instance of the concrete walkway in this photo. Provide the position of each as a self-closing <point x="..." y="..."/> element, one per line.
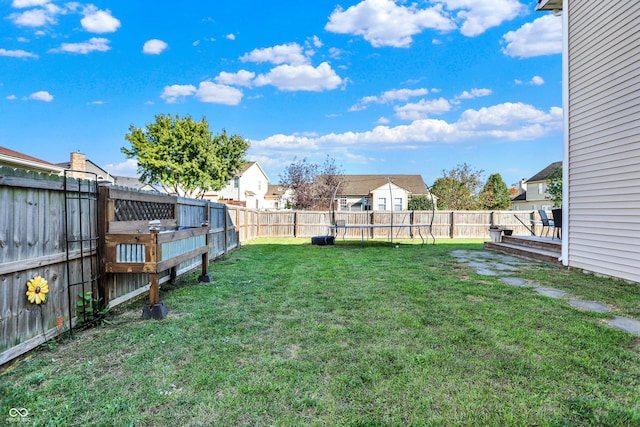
<point x="506" y="267"/>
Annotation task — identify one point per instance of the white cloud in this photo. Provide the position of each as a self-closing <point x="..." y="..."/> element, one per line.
<point x="388" y="97"/>
<point x="537" y="81"/>
<point x="173" y="93"/>
<point x="543" y="36"/>
<point x="218" y="94"/>
<point x="37" y="17"/>
<point x="384" y="23"/>
<point x="17" y="53"/>
<point x="301" y="78"/>
<point x="99" y="21"/>
<point x="382" y="121"/>
<point x="479" y="15"/>
<point x="422" y="109"/>
<point x="241" y="78"/>
<point x="42" y="95"/>
<point x="335" y="53"/>
<point x="19" y="4"/>
<point x="290" y="53"/>
<point x="474" y="93"/>
<point x="11" y="97"/>
<point x="154" y="47"/>
<point x="398" y="95"/>
<point x="231" y="36"/>
<point x="507" y="118"/>
<point x="206" y="92"/>
<point x="96" y="103"/>
<point x="509" y="121"/>
<point x="94" y="44"/>
<point x="316" y="41"/>
<point x="127" y="168"/>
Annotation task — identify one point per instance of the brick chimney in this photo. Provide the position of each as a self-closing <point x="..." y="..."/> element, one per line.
<point x="78" y="163"/>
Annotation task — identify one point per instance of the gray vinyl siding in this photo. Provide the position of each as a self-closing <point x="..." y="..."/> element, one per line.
<point x="604" y="138"/>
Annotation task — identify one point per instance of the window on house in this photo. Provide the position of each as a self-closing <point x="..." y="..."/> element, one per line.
<point x="259" y="185"/>
<point x="343" y="203"/>
<point x="366" y="203"/>
<point x="397" y="204"/>
<point x="382" y="203"/>
<point x="540" y="188"/>
<point x="236" y="182"/>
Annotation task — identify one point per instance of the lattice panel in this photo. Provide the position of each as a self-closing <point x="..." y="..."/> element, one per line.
<point x="133" y="210"/>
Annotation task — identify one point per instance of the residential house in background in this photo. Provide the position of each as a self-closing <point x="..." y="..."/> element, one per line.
<point x="379" y="192"/>
<point x="278" y="198"/>
<point x="78" y="162"/>
<point x="601" y="163"/>
<point x="248" y="188"/>
<point x="15" y="159"/>
<point x="535" y="195"/>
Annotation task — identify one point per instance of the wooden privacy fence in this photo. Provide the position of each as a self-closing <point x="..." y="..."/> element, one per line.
<point x="35" y="231"/>
<point x="444" y="224"/>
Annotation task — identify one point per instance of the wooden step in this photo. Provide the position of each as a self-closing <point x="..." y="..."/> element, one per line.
<point x="534" y="248"/>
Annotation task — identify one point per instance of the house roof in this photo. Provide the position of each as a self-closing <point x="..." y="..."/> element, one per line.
<point x="543" y="175"/>
<point x="522" y="197"/>
<point x="246" y="167"/>
<point x="275" y="190"/>
<point x="12" y="158"/>
<point x="549" y="5"/>
<point x="92" y="167"/>
<point x="360" y="185"/>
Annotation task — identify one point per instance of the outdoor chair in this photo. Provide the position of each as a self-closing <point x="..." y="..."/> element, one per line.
<point x="557" y="222"/>
<point x="546" y="222"/>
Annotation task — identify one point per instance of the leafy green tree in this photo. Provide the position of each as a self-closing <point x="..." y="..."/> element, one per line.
<point x="458" y="189"/>
<point x="420" y="202"/>
<point x="181" y="155"/>
<point x="495" y="195"/>
<point x="554" y="188"/>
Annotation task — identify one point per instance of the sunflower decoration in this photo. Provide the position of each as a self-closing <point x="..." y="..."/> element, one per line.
<point x="37" y="290"/>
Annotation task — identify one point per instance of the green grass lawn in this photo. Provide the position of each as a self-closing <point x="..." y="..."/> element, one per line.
<point x="290" y="334"/>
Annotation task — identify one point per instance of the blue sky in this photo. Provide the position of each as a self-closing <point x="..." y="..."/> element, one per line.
<point x="382" y="86"/>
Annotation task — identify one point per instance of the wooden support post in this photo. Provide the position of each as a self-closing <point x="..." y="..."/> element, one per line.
<point x="154" y="289"/>
<point x="155" y="309"/>
<point x="205" y="277"/>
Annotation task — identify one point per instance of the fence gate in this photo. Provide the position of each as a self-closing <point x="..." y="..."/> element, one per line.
<point x="82" y="245"/>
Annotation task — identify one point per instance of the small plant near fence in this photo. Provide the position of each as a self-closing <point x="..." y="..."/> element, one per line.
<point x="90" y="310"/>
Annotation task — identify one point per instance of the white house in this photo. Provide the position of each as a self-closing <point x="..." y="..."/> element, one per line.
<point x="248" y="188"/>
<point x="379" y="192"/>
<point x="601" y="100"/>
<point x="278" y="198"/>
<point x="535" y="195"/>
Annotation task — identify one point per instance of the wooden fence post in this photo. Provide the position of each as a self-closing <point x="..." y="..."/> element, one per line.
<point x="225" y="225"/>
<point x="453" y="224"/>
